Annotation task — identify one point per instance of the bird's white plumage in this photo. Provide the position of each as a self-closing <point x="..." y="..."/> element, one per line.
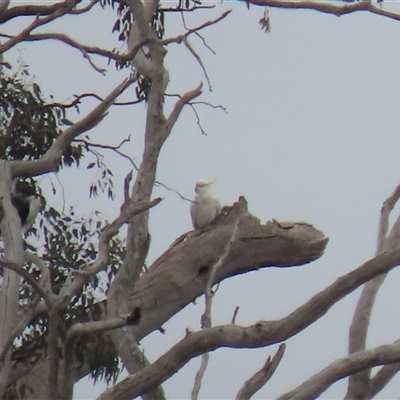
<point x="205" y="206"/>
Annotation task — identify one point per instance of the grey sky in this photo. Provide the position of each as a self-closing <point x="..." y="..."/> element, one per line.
<point x="311" y="134"/>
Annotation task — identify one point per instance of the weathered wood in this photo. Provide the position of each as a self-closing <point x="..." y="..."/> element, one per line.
<point x="180" y="275"/>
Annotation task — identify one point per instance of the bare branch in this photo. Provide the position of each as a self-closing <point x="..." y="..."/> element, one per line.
<point x="260" y="378"/>
<point x="381" y="379"/>
<point x="185" y="99"/>
<point x="198" y="59"/>
<point x="58" y="12"/>
<point x="85" y="328"/>
<point x="206" y="317"/>
<point x="358" y="385"/>
<point x="42" y="10"/>
<point x="235" y="313"/>
<point x="387" y="208"/>
<point x="78" y="98"/>
<point x="356" y="362"/>
<point x="181" y="38"/>
<point x="112" y="229"/>
<point x="127" y="182"/>
<point x="327" y="8"/>
<point x="85" y="49"/>
<point x="158" y="183"/>
<point x="84" y="9"/>
<point x="3" y="7"/>
<point x="115" y="149"/>
<point x="264" y="333"/>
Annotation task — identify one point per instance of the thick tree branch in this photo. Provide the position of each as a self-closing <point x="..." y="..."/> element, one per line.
<point x="84" y="328"/>
<point x="263" y="333"/>
<point x="180" y="275"/>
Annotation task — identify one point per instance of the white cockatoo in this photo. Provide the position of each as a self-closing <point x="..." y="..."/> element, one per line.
<point x="205" y="206"/>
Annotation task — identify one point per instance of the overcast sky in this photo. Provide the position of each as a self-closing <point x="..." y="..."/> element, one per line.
<point x="311" y="134"/>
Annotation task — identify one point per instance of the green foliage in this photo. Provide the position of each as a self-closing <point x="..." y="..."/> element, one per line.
<point x="65" y="243"/>
<point x="123" y="25"/>
<point x="29" y="126"/>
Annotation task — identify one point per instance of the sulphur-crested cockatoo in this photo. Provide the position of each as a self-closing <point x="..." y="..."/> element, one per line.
<point x="205" y="206"/>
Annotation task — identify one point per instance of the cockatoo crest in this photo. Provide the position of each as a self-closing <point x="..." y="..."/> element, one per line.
<point x="205" y="206"/>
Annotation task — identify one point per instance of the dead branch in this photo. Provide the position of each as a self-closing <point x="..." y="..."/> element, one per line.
<point x="3" y="7"/>
<point x="265" y="333"/>
<point x="185" y="99"/>
<point x="84" y="328"/>
<point x="115" y="149"/>
<point x="127" y="183"/>
<point x="42" y="10"/>
<point x="198" y="59"/>
<point x="112" y="229"/>
<point x="84" y="49"/>
<point x="78" y="98"/>
<point x="382" y="378"/>
<point x="235" y="313"/>
<point x="206" y="317"/>
<point x="327" y="8"/>
<point x="359" y="384"/>
<point x="58" y="12"/>
<point x="181" y="38"/>
<point x="348" y="366"/>
<point x="180" y="275"/>
<point x="260" y="378"/>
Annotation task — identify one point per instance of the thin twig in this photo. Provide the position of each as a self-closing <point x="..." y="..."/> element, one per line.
<point x="181" y="38"/>
<point x="199" y="60"/>
<point x="235" y="313"/>
<point x="206" y="317"/>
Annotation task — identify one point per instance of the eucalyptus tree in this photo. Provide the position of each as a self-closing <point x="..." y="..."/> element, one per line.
<point x="54" y="328"/>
